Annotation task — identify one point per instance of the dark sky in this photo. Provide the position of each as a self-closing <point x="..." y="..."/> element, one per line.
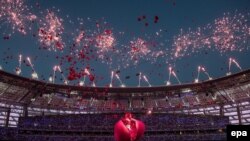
<point x="122" y="16"/>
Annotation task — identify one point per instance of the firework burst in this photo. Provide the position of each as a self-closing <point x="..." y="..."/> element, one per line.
<point x="228" y="33"/>
<point x="171" y="73"/>
<point x="19" y="69"/>
<point x="233" y="61"/>
<point x="34" y="74"/>
<point x="15" y="14"/>
<point x="105" y="41"/>
<point x="95" y="41"/>
<point x="50" y="32"/>
<point x="202" y="69"/>
<point x="139" y="48"/>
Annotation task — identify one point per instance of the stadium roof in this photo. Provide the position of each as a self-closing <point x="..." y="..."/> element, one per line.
<point x="25" y="91"/>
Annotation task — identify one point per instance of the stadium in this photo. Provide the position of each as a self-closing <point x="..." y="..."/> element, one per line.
<point x="34" y="110"/>
<point x="127" y="70"/>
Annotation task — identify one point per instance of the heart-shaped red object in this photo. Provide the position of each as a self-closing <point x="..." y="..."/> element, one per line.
<point x="128" y="129"/>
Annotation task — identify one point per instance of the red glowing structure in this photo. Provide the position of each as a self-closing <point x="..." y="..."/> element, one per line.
<point x="128" y="129"/>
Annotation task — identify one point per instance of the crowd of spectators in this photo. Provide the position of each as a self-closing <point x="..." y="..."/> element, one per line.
<point x="99" y="127"/>
<point x="99" y="122"/>
<point x="8" y="133"/>
<point x="201" y="137"/>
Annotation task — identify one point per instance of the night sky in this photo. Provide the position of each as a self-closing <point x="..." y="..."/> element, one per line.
<point x="157" y="22"/>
